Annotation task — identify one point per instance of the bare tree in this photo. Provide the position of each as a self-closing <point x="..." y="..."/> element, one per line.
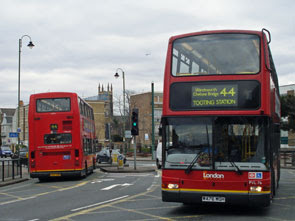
<point x="118" y="107"/>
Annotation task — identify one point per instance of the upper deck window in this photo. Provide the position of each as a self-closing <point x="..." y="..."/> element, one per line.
<point x="53" y="105"/>
<point x="216" y="54"/>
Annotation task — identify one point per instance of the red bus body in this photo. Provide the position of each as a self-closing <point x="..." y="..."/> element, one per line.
<point x="213" y="108"/>
<point x="61" y="135"/>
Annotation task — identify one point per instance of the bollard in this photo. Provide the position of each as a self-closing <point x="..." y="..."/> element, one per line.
<point x="120" y="162"/>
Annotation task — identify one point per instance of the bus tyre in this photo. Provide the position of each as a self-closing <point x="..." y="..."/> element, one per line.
<point x="94" y="165"/>
<point x="84" y="172"/>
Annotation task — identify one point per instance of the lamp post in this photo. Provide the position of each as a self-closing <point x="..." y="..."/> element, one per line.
<point x="30" y="45"/>
<point x="116" y="76"/>
<point x="153" y="120"/>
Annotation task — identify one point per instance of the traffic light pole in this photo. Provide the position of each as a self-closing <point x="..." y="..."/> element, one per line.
<point x="134" y="147"/>
<point x="134" y="131"/>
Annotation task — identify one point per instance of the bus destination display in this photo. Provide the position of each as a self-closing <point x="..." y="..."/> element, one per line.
<point x="214" y="95"/>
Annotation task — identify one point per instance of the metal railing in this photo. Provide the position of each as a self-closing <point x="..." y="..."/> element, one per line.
<point x="10" y="169"/>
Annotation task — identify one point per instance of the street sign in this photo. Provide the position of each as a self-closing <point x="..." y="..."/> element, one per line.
<point x="128" y="134"/>
<point x="13" y="134"/>
<point x="18" y="130"/>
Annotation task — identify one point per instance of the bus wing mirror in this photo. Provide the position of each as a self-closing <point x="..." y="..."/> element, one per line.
<point x="160" y="131"/>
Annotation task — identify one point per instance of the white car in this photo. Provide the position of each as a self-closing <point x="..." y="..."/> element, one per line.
<point x="159" y="155"/>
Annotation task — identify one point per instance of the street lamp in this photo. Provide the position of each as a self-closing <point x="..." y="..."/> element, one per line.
<point x="30" y="45"/>
<point x="116" y="76"/>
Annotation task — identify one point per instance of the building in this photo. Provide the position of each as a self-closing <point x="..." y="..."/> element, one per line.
<point x="23" y="123"/>
<point x="102" y="105"/>
<point x="6" y="120"/>
<point x="287" y="137"/>
<point x="144" y="104"/>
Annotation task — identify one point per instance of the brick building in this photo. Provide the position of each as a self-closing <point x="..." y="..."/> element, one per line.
<point x="102" y="105"/>
<point x="288" y="135"/>
<point x="144" y="104"/>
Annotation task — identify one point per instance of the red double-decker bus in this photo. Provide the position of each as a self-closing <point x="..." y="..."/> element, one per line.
<point x="221" y="119"/>
<point x="61" y="135"/>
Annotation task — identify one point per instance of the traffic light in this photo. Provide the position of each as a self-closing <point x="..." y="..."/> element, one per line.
<point x="134" y="122"/>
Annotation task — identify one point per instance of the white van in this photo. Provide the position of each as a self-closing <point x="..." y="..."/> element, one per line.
<point x="159" y="155"/>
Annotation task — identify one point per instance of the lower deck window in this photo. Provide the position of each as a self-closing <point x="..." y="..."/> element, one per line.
<point x="219" y="140"/>
<point x="65" y="138"/>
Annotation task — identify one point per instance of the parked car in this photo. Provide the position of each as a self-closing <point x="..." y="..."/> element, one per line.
<point x="23" y="155"/>
<point x="159" y="155"/>
<point x="6" y="151"/>
<point x="106" y="155"/>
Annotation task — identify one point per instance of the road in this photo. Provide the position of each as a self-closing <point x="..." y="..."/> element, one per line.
<point x="133" y="196"/>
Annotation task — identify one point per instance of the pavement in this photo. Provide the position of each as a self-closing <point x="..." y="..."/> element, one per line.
<point x="128" y="167"/>
<point x="103" y="167"/>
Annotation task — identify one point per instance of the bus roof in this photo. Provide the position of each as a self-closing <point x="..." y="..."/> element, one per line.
<point x="214" y="32"/>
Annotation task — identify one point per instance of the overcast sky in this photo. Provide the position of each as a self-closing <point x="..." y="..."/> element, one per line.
<point x="79" y="44"/>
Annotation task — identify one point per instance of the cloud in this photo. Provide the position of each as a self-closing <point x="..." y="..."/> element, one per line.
<point x="81" y="44"/>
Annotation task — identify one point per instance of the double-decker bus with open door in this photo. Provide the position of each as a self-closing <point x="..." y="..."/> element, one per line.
<point x="61" y="135"/>
<point x="221" y="119"/>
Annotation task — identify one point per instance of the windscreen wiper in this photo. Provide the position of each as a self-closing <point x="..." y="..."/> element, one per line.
<point x="190" y="166"/>
<point x="237" y="168"/>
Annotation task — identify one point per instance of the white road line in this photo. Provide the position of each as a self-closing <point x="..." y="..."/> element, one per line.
<point x="154" y="182"/>
<point x="33" y="219"/>
<point x="115" y="185"/>
<point x="96" y="204"/>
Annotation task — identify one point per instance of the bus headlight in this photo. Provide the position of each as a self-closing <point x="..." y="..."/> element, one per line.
<point x="172" y="186"/>
<point x="255" y="189"/>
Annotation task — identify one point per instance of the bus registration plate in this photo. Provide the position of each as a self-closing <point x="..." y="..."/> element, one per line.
<point x="215" y="199"/>
<point x="55" y="174"/>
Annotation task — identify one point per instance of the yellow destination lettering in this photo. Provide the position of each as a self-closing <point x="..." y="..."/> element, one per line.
<point x="203" y="102"/>
<point x="225" y="102"/>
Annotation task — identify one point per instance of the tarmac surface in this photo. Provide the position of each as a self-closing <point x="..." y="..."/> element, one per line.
<point x="107" y="168"/>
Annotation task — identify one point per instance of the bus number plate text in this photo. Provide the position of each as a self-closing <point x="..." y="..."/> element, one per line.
<point x="215" y="199"/>
<point x="55" y="174"/>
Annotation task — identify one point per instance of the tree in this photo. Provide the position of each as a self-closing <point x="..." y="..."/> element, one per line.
<point x="288" y="111"/>
<point x="118" y="107"/>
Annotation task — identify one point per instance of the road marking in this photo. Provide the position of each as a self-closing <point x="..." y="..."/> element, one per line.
<point x="121" y="175"/>
<point x="141" y="213"/>
<point x="86" y="211"/>
<point x="101" y="180"/>
<point x="12" y="188"/>
<point x="44" y="193"/>
<point x="100" y="203"/>
<point x="33" y="219"/>
<point x="155" y="183"/>
<point x="115" y="185"/>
